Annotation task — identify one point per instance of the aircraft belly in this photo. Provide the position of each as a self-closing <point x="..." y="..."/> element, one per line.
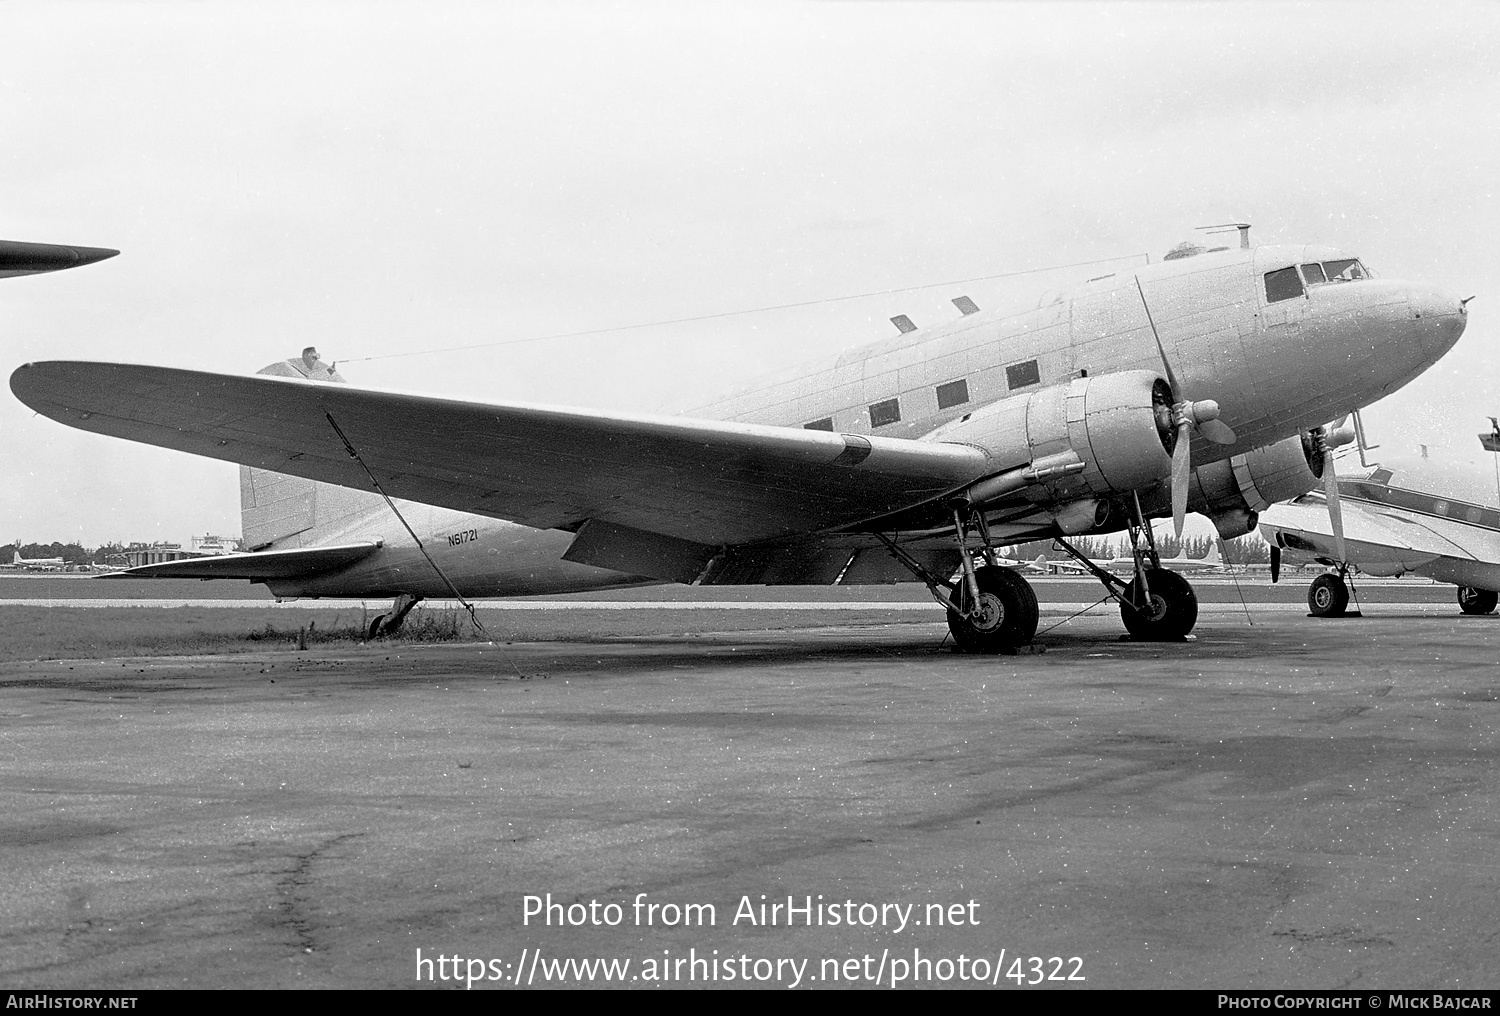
<point x="1479" y="574"/>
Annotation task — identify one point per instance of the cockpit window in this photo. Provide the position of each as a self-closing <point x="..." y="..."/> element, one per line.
<point x="1345" y="270"/>
<point x="1313" y="274"/>
<point x="1283" y="284"/>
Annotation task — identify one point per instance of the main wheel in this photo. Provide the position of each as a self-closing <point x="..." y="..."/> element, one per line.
<point x="1172" y="613"/>
<point x="1007" y="614"/>
<point x="1327" y="596"/>
<point x="1477" y="601"/>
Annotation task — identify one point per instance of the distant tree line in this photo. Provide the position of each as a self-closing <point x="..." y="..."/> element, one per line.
<point x="1250" y="549"/>
<point x="71" y="553"/>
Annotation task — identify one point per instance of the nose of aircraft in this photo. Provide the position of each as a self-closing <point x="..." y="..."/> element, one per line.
<point x="1440" y="318"/>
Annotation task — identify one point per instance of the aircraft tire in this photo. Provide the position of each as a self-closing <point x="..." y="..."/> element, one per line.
<point x="1173" y="613"/>
<point x="1010" y="614"/>
<point x="1477" y="601"/>
<point x="375" y="631"/>
<point x="1328" y="596"/>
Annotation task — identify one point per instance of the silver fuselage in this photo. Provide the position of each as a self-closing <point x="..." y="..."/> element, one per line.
<point x="1275" y="368"/>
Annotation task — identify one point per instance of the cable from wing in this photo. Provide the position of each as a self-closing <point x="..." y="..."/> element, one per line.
<point x="736" y="313"/>
<point x="473" y="617"/>
<point x="1099" y="602"/>
<point x="1224" y="556"/>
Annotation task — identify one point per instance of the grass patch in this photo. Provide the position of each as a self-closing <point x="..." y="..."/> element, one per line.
<point x="420" y="626"/>
<point x="67" y="633"/>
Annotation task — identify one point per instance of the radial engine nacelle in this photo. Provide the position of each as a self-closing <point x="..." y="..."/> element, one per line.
<point x="1099" y="435"/>
<point x="1233" y="492"/>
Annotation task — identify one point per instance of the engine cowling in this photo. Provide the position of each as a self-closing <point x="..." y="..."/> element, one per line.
<point x="1112" y="424"/>
<point x="1233" y="492"/>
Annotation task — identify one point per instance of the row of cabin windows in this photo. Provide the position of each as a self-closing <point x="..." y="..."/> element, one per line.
<point x="1286" y="283"/>
<point x="950" y="394"/>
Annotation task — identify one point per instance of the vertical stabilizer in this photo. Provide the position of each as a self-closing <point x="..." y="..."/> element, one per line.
<point x="290" y="511"/>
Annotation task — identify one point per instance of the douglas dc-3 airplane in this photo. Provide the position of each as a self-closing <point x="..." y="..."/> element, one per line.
<point x="1201" y="382"/>
<point x="1431" y="518"/>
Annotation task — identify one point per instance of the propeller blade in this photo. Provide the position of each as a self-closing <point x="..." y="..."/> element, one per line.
<point x="1275" y="564"/>
<point x="1217" y="431"/>
<point x="1182" y="474"/>
<point x="1166" y="364"/>
<point x="1335" y="509"/>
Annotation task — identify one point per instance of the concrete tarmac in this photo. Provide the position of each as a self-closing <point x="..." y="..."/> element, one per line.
<point x="1296" y="803"/>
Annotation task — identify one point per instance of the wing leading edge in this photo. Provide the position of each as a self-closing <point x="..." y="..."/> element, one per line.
<point x="708" y="482"/>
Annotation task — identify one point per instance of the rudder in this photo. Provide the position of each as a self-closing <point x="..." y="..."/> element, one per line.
<point x="275" y="507"/>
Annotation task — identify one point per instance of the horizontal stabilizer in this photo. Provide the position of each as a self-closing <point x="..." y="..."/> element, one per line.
<point x="258" y="567"/>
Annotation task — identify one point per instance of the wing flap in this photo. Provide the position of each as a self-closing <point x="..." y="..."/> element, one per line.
<point x="257" y="567"/>
<point x="708" y="482"/>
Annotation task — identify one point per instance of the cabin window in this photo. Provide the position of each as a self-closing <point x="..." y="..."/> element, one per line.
<point x="884" y="413"/>
<point x="1313" y="274"/>
<point x="824" y="424"/>
<point x="1283" y="284"/>
<point x="954" y="393"/>
<point x="1019" y="375"/>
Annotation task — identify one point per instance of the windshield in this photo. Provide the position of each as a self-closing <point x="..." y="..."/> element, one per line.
<point x="1343" y="270"/>
<point x="1285" y="283"/>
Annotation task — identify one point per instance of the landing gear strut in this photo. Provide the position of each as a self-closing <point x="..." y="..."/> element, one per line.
<point x="1157" y="605"/>
<point x="390" y="624"/>
<point x="990" y="609"/>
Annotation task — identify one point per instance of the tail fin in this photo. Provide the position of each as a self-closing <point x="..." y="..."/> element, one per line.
<point x="275" y="508"/>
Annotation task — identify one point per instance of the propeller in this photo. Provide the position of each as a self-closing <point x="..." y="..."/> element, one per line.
<point x="1322" y="442"/>
<point x="1181" y="416"/>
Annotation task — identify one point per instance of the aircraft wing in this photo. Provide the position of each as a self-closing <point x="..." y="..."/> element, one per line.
<point x="695" y="482"/>
<point x="258" y="567"/>
<point x="20" y="258"/>
<point x="1371" y="532"/>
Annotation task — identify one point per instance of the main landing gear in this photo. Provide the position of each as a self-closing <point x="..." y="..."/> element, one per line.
<point x="1477" y="601"/>
<point x="990" y="609"/>
<point x="1328" y="596"/>
<point x="390" y="624"/>
<point x="1157" y="604"/>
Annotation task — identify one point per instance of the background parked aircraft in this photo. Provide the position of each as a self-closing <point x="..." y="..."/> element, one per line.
<point x="1434" y="516"/>
<point x="1210" y="562"/>
<point x="37" y="563"/>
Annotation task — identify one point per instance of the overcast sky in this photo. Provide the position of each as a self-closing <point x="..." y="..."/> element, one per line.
<point x="383" y="179"/>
